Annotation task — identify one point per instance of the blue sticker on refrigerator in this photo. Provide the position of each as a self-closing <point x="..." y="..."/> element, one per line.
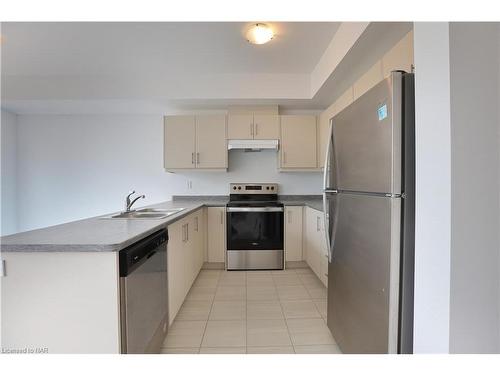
<point x="382" y="112"/>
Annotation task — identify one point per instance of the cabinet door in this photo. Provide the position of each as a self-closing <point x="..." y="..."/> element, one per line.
<point x="211" y="147"/>
<point x="266" y="126"/>
<point x="189" y="254"/>
<point x="298" y="140"/>
<point x="293" y="233"/>
<point x="240" y="127"/>
<point x="179" y="142"/>
<point x="314" y="240"/>
<point x="198" y="241"/>
<point x="216" y="229"/>
<point x="175" y="267"/>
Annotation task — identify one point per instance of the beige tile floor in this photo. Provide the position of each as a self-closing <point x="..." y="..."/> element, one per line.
<point x="254" y="312"/>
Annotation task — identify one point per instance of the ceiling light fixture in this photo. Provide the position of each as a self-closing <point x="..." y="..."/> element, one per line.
<point x="259" y="33"/>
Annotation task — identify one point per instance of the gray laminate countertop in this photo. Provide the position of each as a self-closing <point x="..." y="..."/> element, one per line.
<point x="313" y="201"/>
<point x="104" y="234"/>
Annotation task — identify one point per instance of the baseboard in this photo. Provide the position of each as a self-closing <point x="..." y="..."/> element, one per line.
<point x="296" y="264"/>
<point x="213" y="266"/>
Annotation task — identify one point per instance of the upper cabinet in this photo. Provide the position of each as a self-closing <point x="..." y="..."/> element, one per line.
<point x="298" y="142"/>
<point x="253" y="126"/>
<point x="179" y="142"/>
<point x="195" y="142"/>
<point x="266" y="126"/>
<point x="211" y="147"/>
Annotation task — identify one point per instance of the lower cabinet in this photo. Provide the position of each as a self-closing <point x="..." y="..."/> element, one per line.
<point x="315" y="244"/>
<point x="185" y="258"/>
<point x="293" y="233"/>
<point x="216" y="234"/>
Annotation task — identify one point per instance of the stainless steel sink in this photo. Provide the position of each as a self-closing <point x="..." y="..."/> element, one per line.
<point x="146" y="213"/>
<point x="169" y="211"/>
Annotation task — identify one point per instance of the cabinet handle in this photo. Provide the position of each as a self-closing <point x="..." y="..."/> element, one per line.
<point x="192" y="158"/>
<point x="196" y="224"/>
<point x="289" y="213"/>
<point x="317" y="224"/>
<point x="251" y="130"/>
<point x="284" y="157"/>
<point x="221" y="218"/>
<point x="256" y="129"/>
<point x="197" y="158"/>
<point x="187" y="232"/>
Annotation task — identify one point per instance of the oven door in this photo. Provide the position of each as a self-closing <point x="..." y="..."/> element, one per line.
<point x="255" y="237"/>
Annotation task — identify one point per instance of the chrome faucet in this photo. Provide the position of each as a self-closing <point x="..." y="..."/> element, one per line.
<point x="128" y="203"/>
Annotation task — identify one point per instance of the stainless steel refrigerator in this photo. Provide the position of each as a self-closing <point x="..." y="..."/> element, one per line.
<point x="369" y="205"/>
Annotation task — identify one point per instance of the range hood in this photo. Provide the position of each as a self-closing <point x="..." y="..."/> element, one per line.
<point x="253" y="144"/>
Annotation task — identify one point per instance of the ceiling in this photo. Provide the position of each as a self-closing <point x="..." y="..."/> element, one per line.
<point x="161" y="67"/>
<point x="136" y="48"/>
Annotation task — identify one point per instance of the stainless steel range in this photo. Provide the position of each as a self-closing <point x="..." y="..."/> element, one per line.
<point x="255" y="228"/>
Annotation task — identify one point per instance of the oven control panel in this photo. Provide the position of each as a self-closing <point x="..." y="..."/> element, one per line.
<point x="253" y="188"/>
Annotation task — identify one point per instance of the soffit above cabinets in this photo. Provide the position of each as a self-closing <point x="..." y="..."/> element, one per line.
<point x="252" y="110"/>
<point x="162" y="67"/>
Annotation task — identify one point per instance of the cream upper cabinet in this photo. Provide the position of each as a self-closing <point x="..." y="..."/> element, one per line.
<point x="253" y="126"/>
<point x="179" y="142"/>
<point x="298" y="142"/>
<point x="266" y="126"/>
<point x="293" y="233"/>
<point x="195" y="142"/>
<point x="216" y="234"/>
<point x="240" y="126"/>
<point x="211" y="148"/>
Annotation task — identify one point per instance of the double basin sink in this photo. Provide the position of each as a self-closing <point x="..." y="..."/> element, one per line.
<point x="146" y="213"/>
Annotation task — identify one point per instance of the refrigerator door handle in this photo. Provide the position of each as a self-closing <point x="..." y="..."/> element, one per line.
<point x="330" y="238"/>
<point x="327" y="167"/>
<point x="327" y="226"/>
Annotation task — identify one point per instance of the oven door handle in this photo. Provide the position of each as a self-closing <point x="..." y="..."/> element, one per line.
<point x="254" y="209"/>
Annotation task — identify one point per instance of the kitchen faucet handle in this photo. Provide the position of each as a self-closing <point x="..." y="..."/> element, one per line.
<point x="127" y="199"/>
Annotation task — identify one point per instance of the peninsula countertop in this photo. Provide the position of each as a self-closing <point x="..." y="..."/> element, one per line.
<point x="103" y="234"/>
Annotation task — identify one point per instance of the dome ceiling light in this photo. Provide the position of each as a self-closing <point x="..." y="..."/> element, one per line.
<point x="259" y="33"/>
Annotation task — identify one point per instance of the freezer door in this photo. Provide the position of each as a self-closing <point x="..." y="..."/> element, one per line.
<point x="366" y="141"/>
<point x="363" y="276"/>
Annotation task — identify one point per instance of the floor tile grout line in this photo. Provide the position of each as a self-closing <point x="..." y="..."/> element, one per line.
<point x="208" y="317"/>
<point x="284" y="318"/>
<point x="309" y="293"/>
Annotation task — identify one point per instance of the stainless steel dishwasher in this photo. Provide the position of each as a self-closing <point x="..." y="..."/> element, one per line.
<point x="144" y="294"/>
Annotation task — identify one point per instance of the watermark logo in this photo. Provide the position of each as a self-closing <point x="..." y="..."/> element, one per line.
<point x="25" y="350"/>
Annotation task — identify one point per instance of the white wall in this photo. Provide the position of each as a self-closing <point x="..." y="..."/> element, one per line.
<point x="8" y="136"/>
<point x="77" y="166"/>
<point x="474" y="300"/>
<point x="433" y="180"/>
